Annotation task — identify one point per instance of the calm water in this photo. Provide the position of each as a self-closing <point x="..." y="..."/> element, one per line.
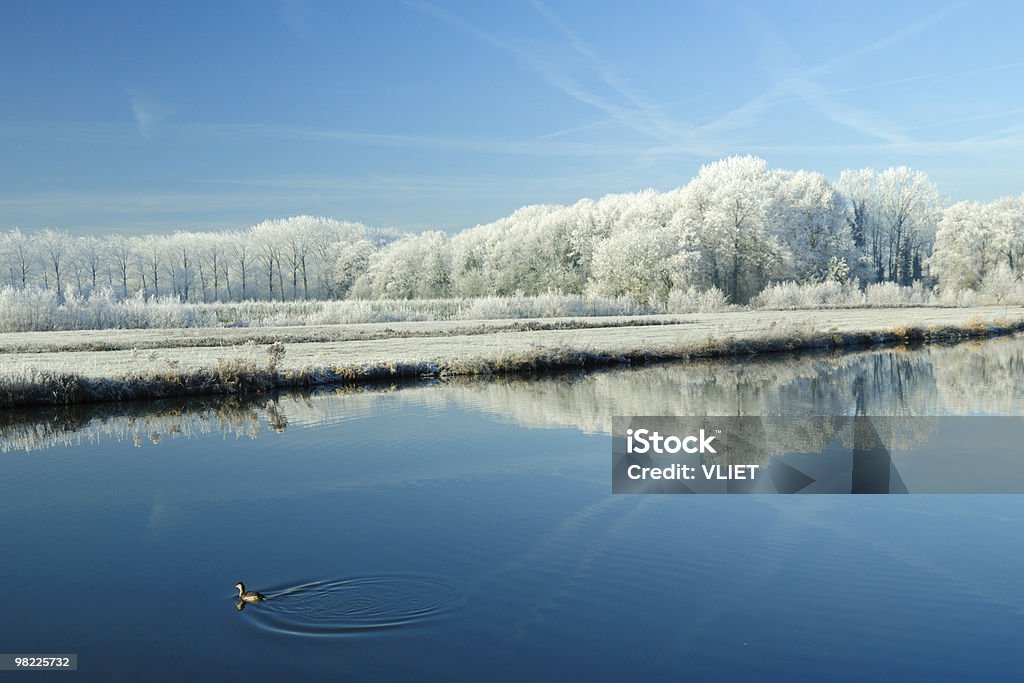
<point x="467" y="531"/>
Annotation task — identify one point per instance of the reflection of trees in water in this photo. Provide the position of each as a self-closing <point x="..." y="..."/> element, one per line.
<point x="137" y="422"/>
<point x="931" y="380"/>
<point x="802" y="436"/>
<point x="895" y="432"/>
<point x="754" y="440"/>
<point x="982" y="377"/>
<point x="956" y="380"/>
<point x="873" y="383"/>
<point x="142" y="422"/>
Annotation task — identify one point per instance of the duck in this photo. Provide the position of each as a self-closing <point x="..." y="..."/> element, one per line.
<point x="248" y="596"/>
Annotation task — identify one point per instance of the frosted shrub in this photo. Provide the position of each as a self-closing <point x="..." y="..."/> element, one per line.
<point x="958" y="298"/>
<point x="35" y="310"/>
<point x="693" y="300"/>
<point x="134" y="312"/>
<point x="890" y="294"/>
<point x="792" y="295"/>
<point x="833" y="294"/>
<point x="600" y="305"/>
<point x="495" y="307"/>
<point x="38" y="309"/>
<point x="884" y="294"/>
<point x="551" y="305"/>
<point x="1001" y="286"/>
<point x="169" y="312"/>
<point x="27" y="310"/>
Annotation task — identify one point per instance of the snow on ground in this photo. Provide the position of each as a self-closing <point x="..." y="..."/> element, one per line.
<point x="153" y="338"/>
<point x="339" y="346"/>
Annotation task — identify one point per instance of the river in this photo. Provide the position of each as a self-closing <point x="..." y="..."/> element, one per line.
<point x="467" y="530"/>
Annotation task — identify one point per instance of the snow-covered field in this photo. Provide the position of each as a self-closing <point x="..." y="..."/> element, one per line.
<point x="128" y="339"/>
<point x="183" y="361"/>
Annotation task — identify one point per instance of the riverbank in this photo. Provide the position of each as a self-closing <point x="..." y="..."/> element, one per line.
<point x="61" y="368"/>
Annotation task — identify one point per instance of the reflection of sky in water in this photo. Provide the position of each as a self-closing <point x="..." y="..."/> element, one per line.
<point x="127" y="556"/>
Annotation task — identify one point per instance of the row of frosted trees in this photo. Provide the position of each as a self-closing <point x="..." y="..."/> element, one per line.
<point x="286" y="259"/>
<point x="738" y="226"/>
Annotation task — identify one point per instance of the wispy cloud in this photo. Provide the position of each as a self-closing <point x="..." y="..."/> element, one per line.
<point x="853" y="118"/>
<point x="1006" y="142"/>
<point x="749" y="113"/>
<point x="613" y="78"/>
<point x="128" y="134"/>
<point x="512" y="147"/>
<point x="147" y="112"/>
<point x="803" y="85"/>
<point x="636" y="112"/>
<point x="585" y="127"/>
<point x="988" y="116"/>
<point x="627" y="106"/>
<point x="903" y="33"/>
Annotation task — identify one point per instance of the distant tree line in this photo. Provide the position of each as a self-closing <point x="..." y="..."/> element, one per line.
<point x="738" y="227"/>
<point x="289" y="259"/>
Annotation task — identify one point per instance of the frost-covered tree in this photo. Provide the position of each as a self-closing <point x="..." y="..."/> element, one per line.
<point x="182" y="251"/>
<point x="910" y="210"/>
<point x="973" y="240"/>
<point x="416" y="266"/>
<point x="267" y="244"/>
<point x="472" y="263"/>
<point x="55" y="245"/>
<point x="809" y="221"/>
<point x="964" y="248"/>
<point x="350" y="261"/>
<point x="895" y="212"/>
<point x="644" y="263"/>
<point x="298" y="243"/>
<point x="91" y="255"/>
<point x="211" y="263"/>
<point x="516" y="258"/>
<point x="728" y="208"/>
<point x="243" y="256"/>
<point x="20" y="257"/>
<point x="119" y="254"/>
<point x="1009" y="218"/>
<point x="858" y="188"/>
<point x="153" y="255"/>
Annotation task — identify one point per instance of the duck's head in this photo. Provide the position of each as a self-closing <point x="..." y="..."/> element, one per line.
<point x="240" y="586"/>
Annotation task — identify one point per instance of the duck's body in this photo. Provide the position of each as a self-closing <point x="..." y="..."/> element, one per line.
<point x="248" y="596"/>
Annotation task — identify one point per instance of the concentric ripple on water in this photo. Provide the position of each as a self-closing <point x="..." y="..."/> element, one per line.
<point x="352" y="606"/>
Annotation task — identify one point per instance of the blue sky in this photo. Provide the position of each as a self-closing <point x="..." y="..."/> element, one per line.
<point x="136" y="117"/>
